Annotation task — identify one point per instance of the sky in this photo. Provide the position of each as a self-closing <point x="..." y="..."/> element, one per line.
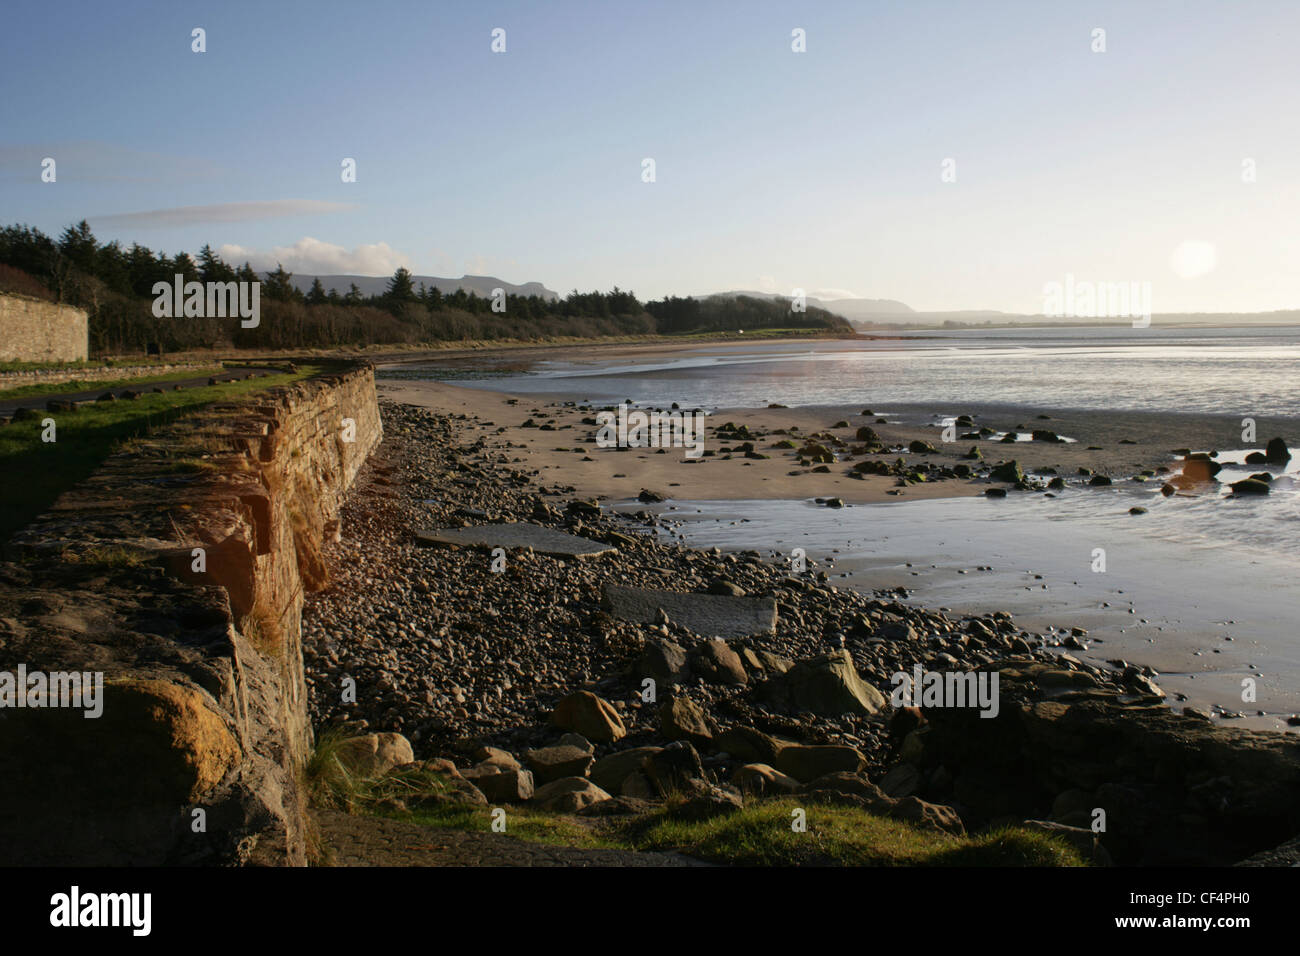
<point x="1172" y="157"/>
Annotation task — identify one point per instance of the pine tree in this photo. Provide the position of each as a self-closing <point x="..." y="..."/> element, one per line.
<point x="400" y="287"/>
<point x="279" y="285"/>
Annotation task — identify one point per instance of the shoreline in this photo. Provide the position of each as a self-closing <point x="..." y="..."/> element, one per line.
<point x="1118" y="445"/>
<point x="462" y="659"/>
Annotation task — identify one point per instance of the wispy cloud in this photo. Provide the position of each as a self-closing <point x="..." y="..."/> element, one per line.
<point x="314" y="257"/>
<point x="221" y="212"/>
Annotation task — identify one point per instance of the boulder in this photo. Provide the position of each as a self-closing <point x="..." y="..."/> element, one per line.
<point x="671" y="769"/>
<point x="1200" y="469"/>
<point x="931" y="816"/>
<point x="827" y="685"/>
<point x="717" y="663"/>
<point x="608" y="773"/>
<point x="857" y="785"/>
<point x="683" y="719"/>
<point x="568" y="795"/>
<point x="593" y="717"/>
<point x="807" y="762"/>
<point x="708" y="801"/>
<point x="664" y="662"/>
<point x="763" y="780"/>
<point x="1276" y="453"/>
<point x="373" y="755"/>
<point x="725" y="588"/>
<point x="773" y="663"/>
<point x="1008" y="471"/>
<point x="553" y="763"/>
<point x="505" y="786"/>
<point x="1249" y="486"/>
<point x="577" y="740"/>
<point x="902" y="781"/>
<point x="497" y="758"/>
<point x="1082" y="839"/>
<point x="746" y="743"/>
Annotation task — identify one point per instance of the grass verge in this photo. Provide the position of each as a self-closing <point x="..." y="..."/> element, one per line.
<point x="33" y="472"/>
<point x="760" y="834"/>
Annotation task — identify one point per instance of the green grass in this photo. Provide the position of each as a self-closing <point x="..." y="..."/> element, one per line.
<point x="426" y="796"/>
<point x="85" y="385"/>
<point x="535" y="826"/>
<point x="758" y="835"/>
<point x="34" y="473"/>
<point x="125" y="361"/>
<point x="761" y="835"/>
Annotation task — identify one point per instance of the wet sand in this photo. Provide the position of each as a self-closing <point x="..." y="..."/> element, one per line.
<point x="1118" y="445"/>
<point x="1203" y="617"/>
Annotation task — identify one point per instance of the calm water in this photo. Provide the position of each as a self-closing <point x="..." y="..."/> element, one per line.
<point x="1213" y="584"/>
<point x="1249" y="371"/>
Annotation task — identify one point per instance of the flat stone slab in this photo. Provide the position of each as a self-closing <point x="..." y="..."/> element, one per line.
<point x="711" y="615"/>
<point x="520" y="534"/>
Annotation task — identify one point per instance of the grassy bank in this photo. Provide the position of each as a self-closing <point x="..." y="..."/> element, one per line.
<point x="69" y="386"/>
<point x="33" y="472"/>
<point x="760" y="834"/>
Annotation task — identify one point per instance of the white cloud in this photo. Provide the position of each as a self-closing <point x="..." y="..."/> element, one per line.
<point x="313" y="257"/>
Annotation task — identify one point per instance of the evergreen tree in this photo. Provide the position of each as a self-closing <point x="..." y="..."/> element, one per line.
<point x="186" y="267"/>
<point x="400" y="286"/>
<point x="78" y="246"/>
<point x="212" y="268"/>
<point x="317" y="294"/>
<point x="279" y="285"/>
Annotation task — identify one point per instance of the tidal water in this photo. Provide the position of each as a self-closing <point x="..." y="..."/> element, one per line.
<point x="1246" y="371"/>
<point x="1205" y="589"/>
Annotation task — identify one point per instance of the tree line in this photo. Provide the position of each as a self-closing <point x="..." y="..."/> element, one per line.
<point x="114" y="284"/>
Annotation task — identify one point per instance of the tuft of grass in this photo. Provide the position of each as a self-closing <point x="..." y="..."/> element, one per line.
<point x="113" y="556"/>
<point x="326" y="779"/>
<point x="261" y="629"/>
<point x="424" y="796"/>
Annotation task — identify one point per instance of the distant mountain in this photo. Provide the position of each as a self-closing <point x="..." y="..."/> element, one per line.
<point x="851" y="309"/>
<point x="378" y="285"/>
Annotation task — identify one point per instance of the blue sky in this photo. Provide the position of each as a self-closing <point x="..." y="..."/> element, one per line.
<point x="774" y="169"/>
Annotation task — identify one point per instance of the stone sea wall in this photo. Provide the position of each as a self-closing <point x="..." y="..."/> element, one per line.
<point x="177" y="570"/>
<point x="32" y="330"/>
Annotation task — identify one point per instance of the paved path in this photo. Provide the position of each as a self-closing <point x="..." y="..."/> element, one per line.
<point x="379" y="841"/>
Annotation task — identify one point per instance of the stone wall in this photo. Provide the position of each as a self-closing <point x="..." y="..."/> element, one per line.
<point x="32" y="330"/>
<point x="204" y="703"/>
